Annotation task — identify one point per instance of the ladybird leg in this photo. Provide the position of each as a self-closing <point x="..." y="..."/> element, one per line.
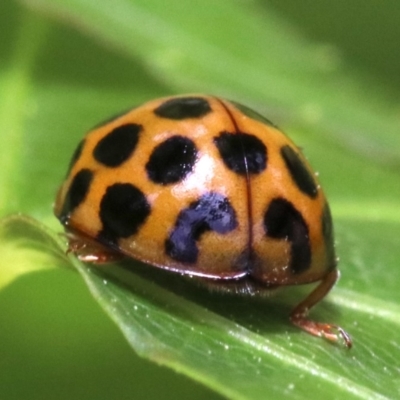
<point x="329" y="331"/>
<point x="90" y="251"/>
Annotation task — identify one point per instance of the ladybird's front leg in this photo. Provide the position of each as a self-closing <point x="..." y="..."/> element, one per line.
<point x="90" y="251"/>
<point x="329" y="331"/>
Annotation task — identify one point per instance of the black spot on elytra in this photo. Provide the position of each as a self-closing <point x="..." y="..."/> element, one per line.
<point x="327" y="233"/>
<point x="76" y="193"/>
<point x="172" y="160"/>
<point x="123" y="209"/>
<point x="118" y="145"/>
<point x="76" y="155"/>
<point x="283" y="221"/>
<point x="253" y="114"/>
<point x="299" y="172"/>
<point x="212" y="212"/>
<point x="241" y="152"/>
<point x="183" y="107"/>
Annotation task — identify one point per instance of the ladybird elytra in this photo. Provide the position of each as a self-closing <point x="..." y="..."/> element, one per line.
<point x="205" y="187"/>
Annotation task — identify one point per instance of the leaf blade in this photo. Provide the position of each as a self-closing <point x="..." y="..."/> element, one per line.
<point x="291" y="70"/>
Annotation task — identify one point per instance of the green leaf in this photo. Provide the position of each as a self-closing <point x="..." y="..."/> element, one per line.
<point x="69" y="64"/>
<point x="254" y="53"/>
<point x="239" y="346"/>
<point x="242" y="353"/>
<point x="25" y="246"/>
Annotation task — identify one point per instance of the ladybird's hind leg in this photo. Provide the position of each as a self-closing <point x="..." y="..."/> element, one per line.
<point x="328" y="331"/>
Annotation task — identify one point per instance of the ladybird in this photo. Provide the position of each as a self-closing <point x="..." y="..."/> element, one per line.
<point x="203" y="187"/>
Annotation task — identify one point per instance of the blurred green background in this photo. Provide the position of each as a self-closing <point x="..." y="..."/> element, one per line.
<point x="62" y="70"/>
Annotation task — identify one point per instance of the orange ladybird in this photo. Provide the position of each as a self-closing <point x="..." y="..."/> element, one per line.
<point x="205" y="187"/>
